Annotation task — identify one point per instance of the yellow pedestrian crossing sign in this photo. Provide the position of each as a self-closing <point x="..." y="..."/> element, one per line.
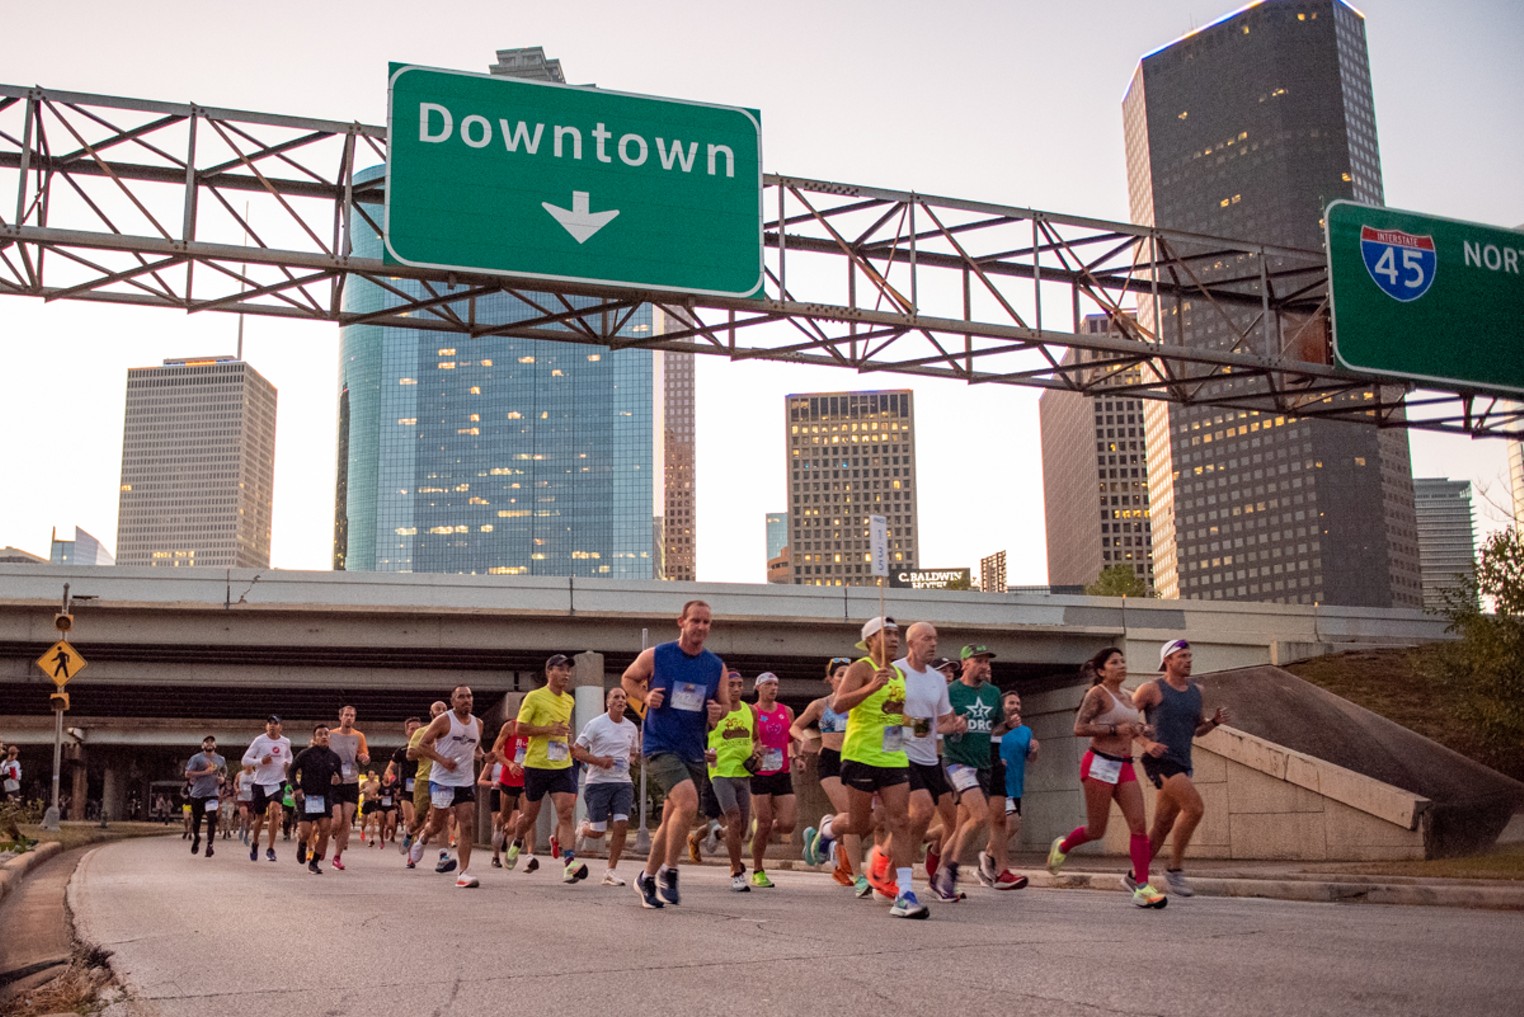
<point x="61" y="663"/>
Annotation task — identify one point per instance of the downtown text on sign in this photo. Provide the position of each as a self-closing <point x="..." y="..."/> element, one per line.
<point x="528" y="178"/>
<point x="1425" y="299"/>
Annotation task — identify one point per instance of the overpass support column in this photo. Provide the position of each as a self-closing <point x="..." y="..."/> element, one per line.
<point x="587" y="685"/>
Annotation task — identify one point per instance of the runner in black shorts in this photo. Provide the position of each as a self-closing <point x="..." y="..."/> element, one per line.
<point x="832" y="729"/>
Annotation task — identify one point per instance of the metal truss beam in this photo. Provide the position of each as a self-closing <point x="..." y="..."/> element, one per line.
<point x="204" y="209"/>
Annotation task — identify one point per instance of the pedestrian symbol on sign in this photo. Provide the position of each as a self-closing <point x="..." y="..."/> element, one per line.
<point x="61" y="663"/>
<point x="1401" y="264"/>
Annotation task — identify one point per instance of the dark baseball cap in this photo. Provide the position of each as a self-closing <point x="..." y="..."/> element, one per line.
<point x="942" y="662"/>
<point x="273" y="719"/>
<point x="558" y="660"/>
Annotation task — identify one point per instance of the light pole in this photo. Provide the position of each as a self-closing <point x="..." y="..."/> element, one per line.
<point x="62" y="621"/>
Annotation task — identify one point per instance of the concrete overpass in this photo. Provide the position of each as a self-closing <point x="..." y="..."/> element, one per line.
<point x="175" y="654"/>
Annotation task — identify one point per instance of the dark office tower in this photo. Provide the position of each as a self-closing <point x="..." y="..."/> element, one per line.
<point x="1095" y="479"/>
<point x="498" y="454"/>
<point x="1446" y="536"/>
<point x="851" y="455"/>
<point x="1248" y="128"/>
<point x="198" y="466"/>
<point x="678" y="444"/>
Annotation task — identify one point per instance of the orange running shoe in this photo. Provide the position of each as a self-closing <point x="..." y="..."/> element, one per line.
<point x="879" y="874"/>
<point x="843" y="872"/>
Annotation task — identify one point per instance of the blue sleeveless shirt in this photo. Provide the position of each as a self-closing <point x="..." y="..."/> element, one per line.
<point x="681" y="724"/>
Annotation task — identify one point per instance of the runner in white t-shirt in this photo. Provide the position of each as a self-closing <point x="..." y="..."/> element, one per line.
<point x="928" y="713"/>
<point x="270" y="755"/>
<point x="606" y="745"/>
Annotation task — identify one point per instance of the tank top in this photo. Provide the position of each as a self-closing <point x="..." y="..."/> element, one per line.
<point x="876" y="726"/>
<point x="831" y="722"/>
<point x="458" y="744"/>
<point x="731" y="740"/>
<point x="772" y="732"/>
<point x="681" y="723"/>
<point x="1119" y="713"/>
<point x="1174" y="718"/>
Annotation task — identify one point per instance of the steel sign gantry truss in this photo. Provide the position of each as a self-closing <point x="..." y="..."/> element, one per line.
<point x="203" y="209"/>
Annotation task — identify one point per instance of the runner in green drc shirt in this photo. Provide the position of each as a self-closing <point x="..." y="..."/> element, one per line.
<point x="974" y="698"/>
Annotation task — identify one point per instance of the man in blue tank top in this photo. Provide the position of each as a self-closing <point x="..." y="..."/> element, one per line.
<point x="1172" y="707"/>
<point x="679" y="683"/>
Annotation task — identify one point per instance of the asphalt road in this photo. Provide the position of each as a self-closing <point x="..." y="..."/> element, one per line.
<point x="227" y="937"/>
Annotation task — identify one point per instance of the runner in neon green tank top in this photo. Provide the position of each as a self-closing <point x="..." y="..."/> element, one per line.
<point x="733" y="741"/>
<point x="873" y="761"/>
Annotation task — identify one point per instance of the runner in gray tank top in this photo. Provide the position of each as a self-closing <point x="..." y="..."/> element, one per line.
<point x="1172" y="707"/>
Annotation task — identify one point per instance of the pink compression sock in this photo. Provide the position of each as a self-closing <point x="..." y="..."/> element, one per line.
<point x="1075" y="839"/>
<point x="1137" y="846"/>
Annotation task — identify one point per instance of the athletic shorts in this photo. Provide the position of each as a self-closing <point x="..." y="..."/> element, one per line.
<point x="383" y="807"/>
<point x="263" y="800"/>
<point x="776" y="784"/>
<point x="830" y="763"/>
<point x="669" y="769"/>
<point x="1013" y="806"/>
<point x="608" y="801"/>
<point x="707" y="800"/>
<point x="997" y="771"/>
<point x="930" y="778"/>
<point x="495" y="799"/>
<point x="732" y="793"/>
<point x="1125" y="773"/>
<point x="511" y="795"/>
<point x="344" y="794"/>
<point x="421" y="799"/>
<point x="963" y="778"/>
<point x="865" y="777"/>
<point x="538" y="783"/>
<point x="460" y="795"/>
<point x="1161" y="770"/>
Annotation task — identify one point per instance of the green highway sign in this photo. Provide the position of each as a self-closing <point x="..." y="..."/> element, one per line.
<point x="1425" y="299"/>
<point x="528" y="178"/>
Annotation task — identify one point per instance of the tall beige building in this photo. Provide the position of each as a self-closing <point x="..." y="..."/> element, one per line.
<point x="676" y="442"/>
<point x="198" y="466"/>
<point x="1095" y="479"/>
<point x="851" y="455"/>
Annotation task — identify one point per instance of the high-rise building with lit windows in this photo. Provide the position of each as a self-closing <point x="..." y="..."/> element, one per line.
<point x="508" y="455"/>
<point x="1446" y="537"/>
<point x="1248" y="128"/>
<point x="198" y="466"/>
<point x="851" y="455"/>
<point x="1095" y="478"/>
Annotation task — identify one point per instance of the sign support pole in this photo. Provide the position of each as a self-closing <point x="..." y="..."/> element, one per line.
<point x="643" y="835"/>
<point x="50" y="818"/>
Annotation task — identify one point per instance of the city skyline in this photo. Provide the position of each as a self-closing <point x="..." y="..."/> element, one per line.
<point x="976" y="140"/>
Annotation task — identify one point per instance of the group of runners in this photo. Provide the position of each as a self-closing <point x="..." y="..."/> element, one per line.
<point x="921" y="757"/>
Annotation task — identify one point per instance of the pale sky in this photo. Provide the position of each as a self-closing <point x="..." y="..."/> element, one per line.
<point x="1010" y="101"/>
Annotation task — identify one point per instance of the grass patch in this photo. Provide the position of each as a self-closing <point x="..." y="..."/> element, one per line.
<point x="72" y="835"/>
<point x="1502" y="863"/>
<point x="77" y="990"/>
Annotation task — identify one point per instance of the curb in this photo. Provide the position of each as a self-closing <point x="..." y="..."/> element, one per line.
<point x="12" y="872"/>
<point x="1322" y="891"/>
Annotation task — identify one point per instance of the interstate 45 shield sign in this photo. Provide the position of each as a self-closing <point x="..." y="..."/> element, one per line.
<point x="1424" y="299"/>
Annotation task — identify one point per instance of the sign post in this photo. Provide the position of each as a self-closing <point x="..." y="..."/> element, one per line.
<point x="1422" y="299"/>
<point x="60" y="663"/>
<point x="529" y="178"/>
<point x="878" y="550"/>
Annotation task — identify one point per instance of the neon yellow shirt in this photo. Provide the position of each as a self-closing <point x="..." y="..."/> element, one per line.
<point x="541" y="708"/>
<point x="731" y="739"/>
<point x="876" y="726"/>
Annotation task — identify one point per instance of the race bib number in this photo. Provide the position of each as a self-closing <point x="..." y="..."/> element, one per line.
<point x="407" y="785"/>
<point x="386" y="799"/>
<point x="443" y="798"/>
<point x="1107" y="771"/>
<point x="12" y="785"/>
<point x="894" y="739"/>
<point x="518" y="753"/>
<point x="349" y="771"/>
<point x="621" y="764"/>
<point x="964" y="778"/>
<point x="772" y="759"/>
<point x="688" y="696"/>
<point x="211" y="805"/>
<point x="270" y="790"/>
<point x="315" y="805"/>
<point x="556" y="751"/>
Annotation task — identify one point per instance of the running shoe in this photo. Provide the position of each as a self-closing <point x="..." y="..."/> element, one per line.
<point x="269" y="854"/>
<point x="906" y="906"/>
<point x="843" y="871"/>
<point x="738" y="883"/>
<point x="693" y="847"/>
<point x="809" y="837"/>
<point x="669" y="887"/>
<point x="987" y="871"/>
<point x="209" y="851"/>
<point x="338" y="863"/>
<point x="254" y="853"/>
<point x="574" y="871"/>
<point x="533" y="865"/>
<point x="1056" y="856"/>
<point x="944" y="886"/>
<point x="711" y="841"/>
<point x="645" y="886"/>
<point x="878" y="878"/>
<point x="1008" y="880"/>
<point x="445" y="863"/>
<point x="555" y="847"/>
<point x="1178" y="884"/>
<point x="511" y="858"/>
<point x="861" y="887"/>
<point x="933" y="862"/>
<point x="301" y="853"/>
<point x="497" y="863"/>
<point x="466" y="881"/>
<point x="196" y="846"/>
<point x="407" y="840"/>
<point x="314" y="868"/>
<point x="759" y="879"/>
<point x="611" y="878"/>
<point x="1129" y="881"/>
<point x="415" y="854"/>
<point x="1146" y="896"/>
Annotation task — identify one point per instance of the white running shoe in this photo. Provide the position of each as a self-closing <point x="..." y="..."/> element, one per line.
<point x="611" y="878"/>
<point x="415" y="853"/>
<point x="465" y="881"/>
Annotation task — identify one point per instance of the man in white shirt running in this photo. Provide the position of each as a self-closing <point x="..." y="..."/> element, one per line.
<point x="606" y="745"/>
<point x="452" y="742"/>
<point x="270" y="755"/>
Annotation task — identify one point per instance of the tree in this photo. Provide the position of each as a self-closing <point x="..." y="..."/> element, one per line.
<point x="1484" y="668"/>
<point x="1117" y="581"/>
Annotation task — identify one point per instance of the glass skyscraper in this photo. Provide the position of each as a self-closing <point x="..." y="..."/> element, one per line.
<point x="1248" y="128"/>
<point x="492" y="455"/>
